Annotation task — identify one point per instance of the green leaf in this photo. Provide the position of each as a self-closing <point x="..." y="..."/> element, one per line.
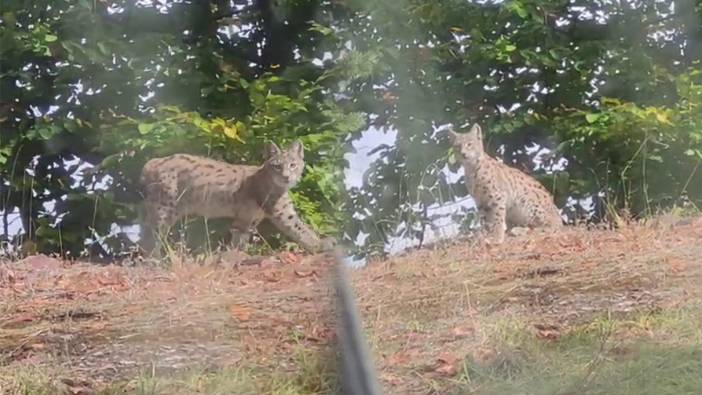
<point x="231" y="132"/>
<point x="46" y="231"/>
<point x="145" y="128"/>
<point x="170" y="109"/>
<point x="520" y="10"/>
<point x="452" y="160"/>
<point x="70" y="125"/>
<point x="49" y="38"/>
<point x="662" y="117"/>
<point x="103" y="49"/>
<point x="47" y="132"/>
<point x="592" y="118"/>
<point x="324" y="30"/>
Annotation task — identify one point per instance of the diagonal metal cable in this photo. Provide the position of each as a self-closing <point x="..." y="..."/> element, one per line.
<point x="357" y="373"/>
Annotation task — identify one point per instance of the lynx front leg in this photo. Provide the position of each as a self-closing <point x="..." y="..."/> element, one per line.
<point x="241" y="229"/>
<point x="240" y="238"/>
<point x="285" y="218"/>
<point x="148" y="239"/>
<point x="496" y="223"/>
<point x="152" y="240"/>
<point x="157" y="224"/>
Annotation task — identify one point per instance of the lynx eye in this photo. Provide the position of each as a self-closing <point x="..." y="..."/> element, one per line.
<point x="277" y="165"/>
<point x="293" y="165"/>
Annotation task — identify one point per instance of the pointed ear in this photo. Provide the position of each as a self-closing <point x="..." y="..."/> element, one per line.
<point x="452" y="136"/>
<point x="270" y="150"/>
<point x="477" y="131"/>
<point x="297" y="148"/>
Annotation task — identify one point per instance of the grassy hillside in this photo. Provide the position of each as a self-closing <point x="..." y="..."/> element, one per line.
<point x="581" y="312"/>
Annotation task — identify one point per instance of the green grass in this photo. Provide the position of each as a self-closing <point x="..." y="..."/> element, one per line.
<point x="656" y="354"/>
<point x="314" y="375"/>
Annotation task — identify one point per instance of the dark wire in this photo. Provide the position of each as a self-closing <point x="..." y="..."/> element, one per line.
<point x="357" y="373"/>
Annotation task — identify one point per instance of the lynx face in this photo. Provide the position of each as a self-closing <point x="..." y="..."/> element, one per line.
<point x="286" y="166"/>
<point x="468" y="146"/>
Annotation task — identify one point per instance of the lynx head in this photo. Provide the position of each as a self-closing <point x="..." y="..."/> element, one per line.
<point x="285" y="166"/>
<point x="468" y="146"/>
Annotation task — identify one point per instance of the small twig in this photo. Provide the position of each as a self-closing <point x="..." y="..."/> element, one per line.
<point x="24" y="342"/>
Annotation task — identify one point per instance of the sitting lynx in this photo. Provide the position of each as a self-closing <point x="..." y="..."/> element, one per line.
<point x="180" y="185"/>
<point x="503" y="195"/>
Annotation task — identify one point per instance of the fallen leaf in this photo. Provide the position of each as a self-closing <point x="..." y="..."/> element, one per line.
<point x="447" y="365"/>
<point x="447" y="370"/>
<point x="77" y="387"/>
<point x="97" y="326"/>
<point x="288" y="258"/>
<point x="271" y="276"/>
<point x="676" y="265"/>
<point x="322" y="332"/>
<point x="447" y="358"/>
<point x="113" y="278"/>
<point x="399" y="358"/>
<point x="300" y="273"/>
<point x="547" y="331"/>
<point x="462" y="331"/>
<point x="242" y="313"/>
<point x="19" y="319"/>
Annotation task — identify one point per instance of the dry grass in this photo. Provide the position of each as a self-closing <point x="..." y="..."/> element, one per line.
<point x="111" y="327"/>
<point x="580" y="312"/>
<point x="430" y="313"/>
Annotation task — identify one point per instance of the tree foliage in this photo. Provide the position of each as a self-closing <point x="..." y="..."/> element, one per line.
<point x="612" y="88"/>
<point x="112" y="84"/>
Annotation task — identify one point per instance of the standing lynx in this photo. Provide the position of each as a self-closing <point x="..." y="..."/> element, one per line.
<point x="503" y="195"/>
<point x="180" y="185"/>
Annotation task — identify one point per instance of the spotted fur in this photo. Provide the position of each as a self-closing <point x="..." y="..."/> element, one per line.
<point x="505" y="197"/>
<point x="179" y="185"/>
